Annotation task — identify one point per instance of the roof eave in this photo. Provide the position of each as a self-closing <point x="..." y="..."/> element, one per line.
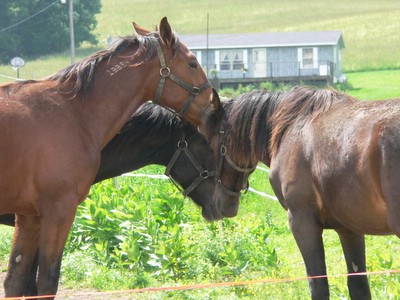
<point x="261" y="46"/>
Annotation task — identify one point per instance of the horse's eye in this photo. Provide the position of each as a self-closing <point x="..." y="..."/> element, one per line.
<point x="193" y="64"/>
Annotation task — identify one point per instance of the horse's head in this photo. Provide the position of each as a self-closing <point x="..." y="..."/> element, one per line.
<point x="193" y="167"/>
<point x="182" y="83"/>
<point x="231" y="178"/>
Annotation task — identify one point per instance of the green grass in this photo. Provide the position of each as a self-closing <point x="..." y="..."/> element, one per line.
<point x="44" y="66"/>
<point x="369" y="85"/>
<point x="375" y="85"/>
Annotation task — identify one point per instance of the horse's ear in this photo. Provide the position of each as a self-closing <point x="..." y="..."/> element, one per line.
<point x="215" y="101"/>
<point x="140" y="30"/>
<point x="166" y="33"/>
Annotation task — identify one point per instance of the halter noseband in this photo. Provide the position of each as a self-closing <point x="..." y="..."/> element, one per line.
<point x="224" y="156"/>
<point x="165" y="72"/>
<point x="182" y="147"/>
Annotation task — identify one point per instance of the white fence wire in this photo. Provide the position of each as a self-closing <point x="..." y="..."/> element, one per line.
<point x="161" y="176"/>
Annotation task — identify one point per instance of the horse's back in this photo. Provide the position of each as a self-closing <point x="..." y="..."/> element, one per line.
<point x="351" y="147"/>
<point x="337" y="160"/>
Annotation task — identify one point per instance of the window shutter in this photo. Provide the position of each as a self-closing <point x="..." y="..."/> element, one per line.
<point x="300" y="56"/>
<point x="315" y="57"/>
<point x="216" y="57"/>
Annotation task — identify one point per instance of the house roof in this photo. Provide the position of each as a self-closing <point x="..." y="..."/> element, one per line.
<point x="269" y="39"/>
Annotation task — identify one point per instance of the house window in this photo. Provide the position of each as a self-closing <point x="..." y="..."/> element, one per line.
<point x="231" y="60"/>
<point x="308" y="57"/>
<point x="225" y="61"/>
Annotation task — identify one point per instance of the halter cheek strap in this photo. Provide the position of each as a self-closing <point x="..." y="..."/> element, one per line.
<point x="165" y="72"/>
<point x="182" y="148"/>
<point x="224" y="156"/>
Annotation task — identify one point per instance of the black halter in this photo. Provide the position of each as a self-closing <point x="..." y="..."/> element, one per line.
<point x="165" y="73"/>
<point x="182" y="148"/>
<point x="224" y="156"/>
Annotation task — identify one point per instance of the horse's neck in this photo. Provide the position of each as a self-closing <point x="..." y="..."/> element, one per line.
<point x="112" y="100"/>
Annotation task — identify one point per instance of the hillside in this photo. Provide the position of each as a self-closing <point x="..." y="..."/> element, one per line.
<point x="370" y="28"/>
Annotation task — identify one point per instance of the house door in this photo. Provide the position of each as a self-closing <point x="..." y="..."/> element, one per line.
<point x="260" y="62"/>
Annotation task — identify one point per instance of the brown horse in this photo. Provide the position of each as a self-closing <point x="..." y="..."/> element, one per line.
<point x="334" y="164"/>
<point x="52" y="132"/>
<point x="154" y="135"/>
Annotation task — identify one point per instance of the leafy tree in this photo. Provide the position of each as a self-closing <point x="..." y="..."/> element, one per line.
<point x="30" y="28"/>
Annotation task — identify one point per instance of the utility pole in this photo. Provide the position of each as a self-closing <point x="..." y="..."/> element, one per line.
<point x="71" y="28"/>
<point x="207" y="50"/>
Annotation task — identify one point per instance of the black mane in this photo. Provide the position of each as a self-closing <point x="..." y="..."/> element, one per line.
<point x="161" y="120"/>
<point x="248" y="131"/>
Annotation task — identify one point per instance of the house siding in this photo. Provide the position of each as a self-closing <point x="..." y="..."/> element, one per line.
<point x="279" y="62"/>
<point x="275" y="62"/>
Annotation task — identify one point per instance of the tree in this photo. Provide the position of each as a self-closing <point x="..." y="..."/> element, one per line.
<point x="30" y="28"/>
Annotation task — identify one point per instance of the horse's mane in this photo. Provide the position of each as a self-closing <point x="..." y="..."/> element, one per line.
<point x="247" y="126"/>
<point x="257" y="121"/>
<point x="152" y="121"/>
<point x="300" y="104"/>
<point x="82" y="73"/>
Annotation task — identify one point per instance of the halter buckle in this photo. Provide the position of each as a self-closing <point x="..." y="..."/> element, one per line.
<point x="195" y="91"/>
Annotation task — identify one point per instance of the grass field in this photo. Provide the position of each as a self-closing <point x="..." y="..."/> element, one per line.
<point x="372" y="41"/>
<point x="375" y="85"/>
<point x="370" y="28"/>
<point x="370" y="31"/>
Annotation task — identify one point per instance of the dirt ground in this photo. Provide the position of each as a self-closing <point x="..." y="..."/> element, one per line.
<point x="68" y="294"/>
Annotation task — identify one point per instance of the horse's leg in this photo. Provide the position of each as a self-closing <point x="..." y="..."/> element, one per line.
<point x="308" y="235"/>
<point x="24" y="248"/>
<point x="31" y="288"/>
<point x="354" y="251"/>
<point x="53" y="236"/>
<point x="391" y="191"/>
<point x="389" y="178"/>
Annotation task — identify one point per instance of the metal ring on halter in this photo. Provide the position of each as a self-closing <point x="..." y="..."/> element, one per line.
<point x="182" y="145"/>
<point x="195" y="91"/>
<point x="223" y="150"/>
<point x="205" y="174"/>
<point x="165" y="72"/>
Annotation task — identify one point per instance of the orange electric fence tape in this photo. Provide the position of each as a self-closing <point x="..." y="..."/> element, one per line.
<point x="208" y="285"/>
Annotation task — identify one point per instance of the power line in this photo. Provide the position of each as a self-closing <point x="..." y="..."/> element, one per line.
<point x="28" y="18"/>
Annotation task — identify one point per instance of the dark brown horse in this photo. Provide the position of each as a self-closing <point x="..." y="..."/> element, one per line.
<point x="156" y="136"/>
<point x="52" y="132"/>
<point x="333" y="165"/>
